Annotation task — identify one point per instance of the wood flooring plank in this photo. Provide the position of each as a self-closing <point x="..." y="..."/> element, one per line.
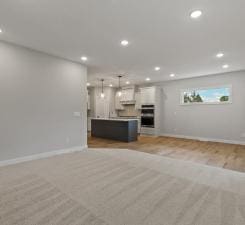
<point x="228" y="156"/>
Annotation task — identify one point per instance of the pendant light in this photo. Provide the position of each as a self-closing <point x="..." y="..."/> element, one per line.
<point x="102" y="95"/>
<point x="119" y="86"/>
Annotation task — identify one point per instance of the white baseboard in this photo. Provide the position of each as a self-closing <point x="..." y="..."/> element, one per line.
<point x="42" y="155"/>
<point x="204" y="139"/>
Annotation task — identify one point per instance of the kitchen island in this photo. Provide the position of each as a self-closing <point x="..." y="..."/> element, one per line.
<point x="125" y="130"/>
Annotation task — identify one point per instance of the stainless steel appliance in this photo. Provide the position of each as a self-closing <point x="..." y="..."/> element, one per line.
<point x="147" y="116"/>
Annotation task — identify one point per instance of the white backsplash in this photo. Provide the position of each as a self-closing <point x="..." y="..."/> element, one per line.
<point x="129" y="110"/>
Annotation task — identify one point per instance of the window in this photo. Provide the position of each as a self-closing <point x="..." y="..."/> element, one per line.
<point x="214" y="95"/>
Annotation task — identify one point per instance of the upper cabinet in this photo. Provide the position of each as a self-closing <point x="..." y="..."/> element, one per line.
<point x="102" y="107"/>
<point x="148" y="95"/>
<point x="118" y="105"/>
<point x="128" y="95"/>
<point x="127" y="98"/>
<point x="145" y="96"/>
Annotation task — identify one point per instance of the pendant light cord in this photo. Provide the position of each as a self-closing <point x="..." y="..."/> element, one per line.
<point x="102" y="81"/>
<point x="119" y="81"/>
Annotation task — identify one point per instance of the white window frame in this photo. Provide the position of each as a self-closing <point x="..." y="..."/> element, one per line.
<point x="205" y="88"/>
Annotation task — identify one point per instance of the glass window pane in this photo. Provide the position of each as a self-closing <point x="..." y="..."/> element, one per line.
<point x="207" y="95"/>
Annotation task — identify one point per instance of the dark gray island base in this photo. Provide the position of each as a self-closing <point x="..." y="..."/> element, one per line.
<point x="116" y="129"/>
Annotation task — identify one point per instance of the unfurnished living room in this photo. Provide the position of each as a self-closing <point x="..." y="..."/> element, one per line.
<point x="122" y="112"/>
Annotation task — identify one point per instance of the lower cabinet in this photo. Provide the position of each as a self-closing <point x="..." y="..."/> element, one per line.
<point x="89" y="124"/>
<point x="139" y="126"/>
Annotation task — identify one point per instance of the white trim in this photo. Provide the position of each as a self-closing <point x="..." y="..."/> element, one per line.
<point x="42" y="155"/>
<point x="204" y="139"/>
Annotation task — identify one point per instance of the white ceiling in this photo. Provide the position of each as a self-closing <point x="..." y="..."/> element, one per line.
<point x="160" y="33"/>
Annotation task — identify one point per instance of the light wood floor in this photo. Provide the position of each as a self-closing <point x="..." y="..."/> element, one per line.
<point x="210" y="153"/>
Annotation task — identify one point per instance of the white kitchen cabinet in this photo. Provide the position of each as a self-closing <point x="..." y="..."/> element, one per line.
<point x="127" y="95"/>
<point x="102" y="107"/>
<point x="118" y="105"/>
<point x="88" y="101"/>
<point x="137" y="100"/>
<point x="89" y="124"/>
<point x="147" y="95"/>
<point x="139" y="126"/>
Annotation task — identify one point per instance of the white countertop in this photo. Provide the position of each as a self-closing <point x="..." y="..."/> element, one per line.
<point x="115" y="119"/>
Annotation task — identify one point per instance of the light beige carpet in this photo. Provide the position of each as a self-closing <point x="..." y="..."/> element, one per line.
<point x="119" y="187"/>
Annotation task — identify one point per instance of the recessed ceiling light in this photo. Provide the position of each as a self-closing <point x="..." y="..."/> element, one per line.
<point x="225" y="66"/>
<point x="148" y="79"/>
<point x="110" y="85"/>
<point x="1" y="30"/>
<point x="220" y="55"/>
<point x="172" y="75"/>
<point x="124" y="43"/>
<point x="88" y="84"/>
<point x="157" y="68"/>
<point x="196" y="14"/>
<point x="127" y="82"/>
<point x="84" y="58"/>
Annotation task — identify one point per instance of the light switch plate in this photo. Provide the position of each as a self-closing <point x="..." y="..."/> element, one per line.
<point x="77" y="114"/>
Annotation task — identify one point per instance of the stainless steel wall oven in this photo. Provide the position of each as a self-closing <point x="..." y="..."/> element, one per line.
<point x="147" y="116"/>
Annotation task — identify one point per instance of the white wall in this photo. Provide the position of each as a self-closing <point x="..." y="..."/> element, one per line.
<point x="38" y="95"/>
<point x="224" y="122"/>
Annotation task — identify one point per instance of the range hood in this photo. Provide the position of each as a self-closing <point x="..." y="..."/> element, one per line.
<point x="128" y="96"/>
<point x="129" y="102"/>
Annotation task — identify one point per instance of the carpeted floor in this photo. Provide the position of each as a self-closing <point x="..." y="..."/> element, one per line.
<point x="119" y="187"/>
